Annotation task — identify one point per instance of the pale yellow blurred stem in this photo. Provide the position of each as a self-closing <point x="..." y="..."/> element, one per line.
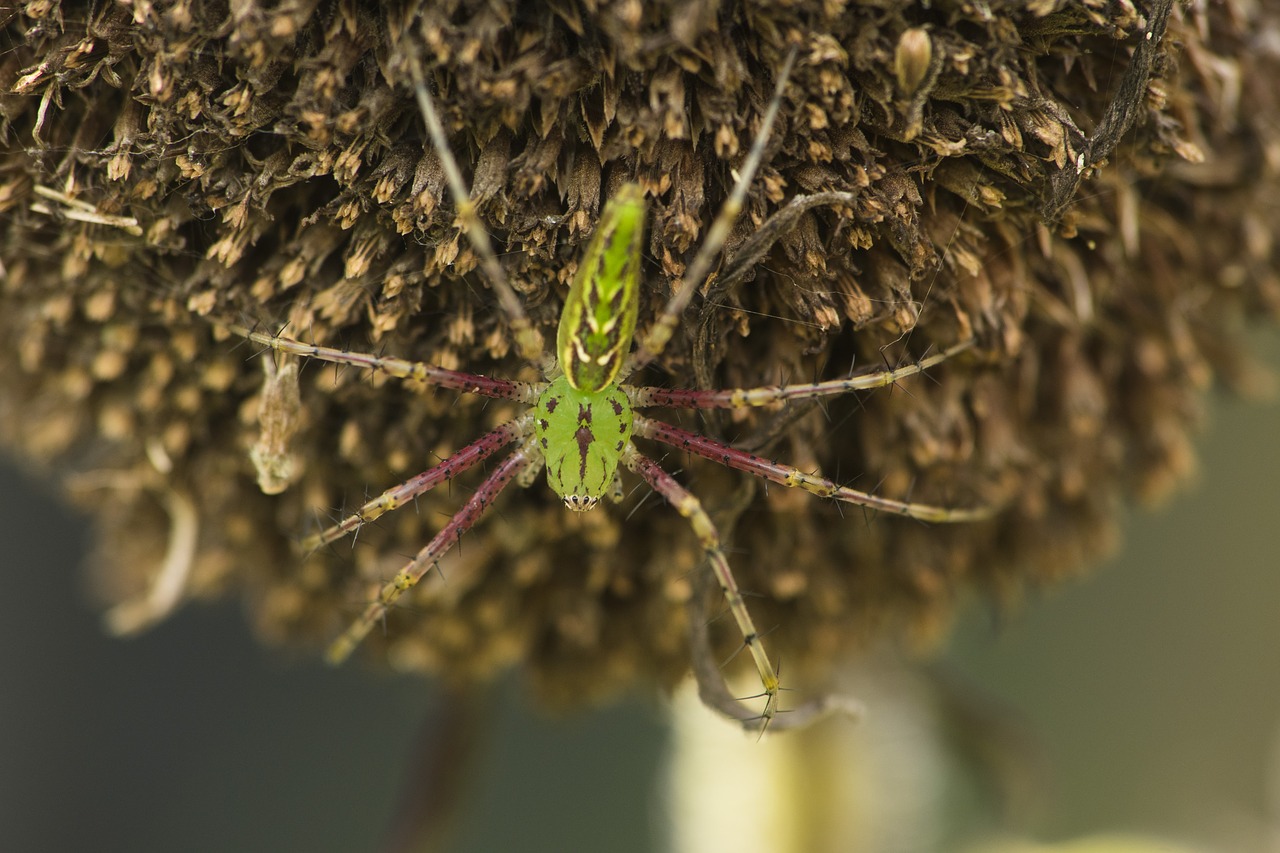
<point x="884" y="784"/>
<point x="870" y="786"/>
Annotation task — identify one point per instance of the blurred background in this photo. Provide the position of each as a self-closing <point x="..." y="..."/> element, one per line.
<point x="1142" y="697"/>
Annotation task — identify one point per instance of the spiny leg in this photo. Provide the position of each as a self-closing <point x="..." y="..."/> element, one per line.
<point x="528" y="339"/>
<point x="529" y="475"/>
<point x="407" y="577"/>
<point x="714" y="691"/>
<point x="689" y="507"/>
<point x="655" y="340"/>
<point x="395" y="497"/>
<point x="429" y="374"/>
<point x="741" y="398"/>
<point x="792" y="477"/>
<point x="616" y="494"/>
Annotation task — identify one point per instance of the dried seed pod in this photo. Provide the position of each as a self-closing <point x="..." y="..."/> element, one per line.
<point x="165" y="170"/>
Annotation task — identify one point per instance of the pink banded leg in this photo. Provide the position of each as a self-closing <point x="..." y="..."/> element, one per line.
<point x="395" y="497"/>
<point x="429" y="374"/>
<point x="741" y="398"/>
<point x="791" y="477"/>
<point x="689" y="507"/>
<point x="407" y="577"/>
<point x="655" y="340"/>
<point x="528" y="339"/>
<point x="715" y="693"/>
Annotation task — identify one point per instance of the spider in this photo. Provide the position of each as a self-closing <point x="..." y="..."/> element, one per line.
<point x="582" y="417"/>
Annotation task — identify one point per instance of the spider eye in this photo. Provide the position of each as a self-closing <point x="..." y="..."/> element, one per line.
<point x="580" y="503"/>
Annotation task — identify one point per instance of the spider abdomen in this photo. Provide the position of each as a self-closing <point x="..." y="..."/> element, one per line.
<point x="599" y="317"/>
<point x="582" y="435"/>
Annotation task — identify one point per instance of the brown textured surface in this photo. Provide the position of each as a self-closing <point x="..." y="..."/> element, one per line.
<point x="261" y="165"/>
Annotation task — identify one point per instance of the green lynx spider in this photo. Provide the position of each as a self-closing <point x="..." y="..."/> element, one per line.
<point x="582" y="420"/>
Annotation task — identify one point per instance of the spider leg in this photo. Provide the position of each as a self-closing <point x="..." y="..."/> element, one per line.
<point x="740" y="398"/>
<point x="429" y="374"/>
<point x="689" y="507"/>
<point x="791" y="477"/>
<point x="471" y="512"/>
<point x="529" y="475"/>
<point x="395" y="497"/>
<point x="616" y="494"/>
<point x="715" y="693"/>
<point x="528" y="339"/>
<point x="655" y="340"/>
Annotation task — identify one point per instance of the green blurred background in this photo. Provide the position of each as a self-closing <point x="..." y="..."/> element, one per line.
<point x="1149" y="690"/>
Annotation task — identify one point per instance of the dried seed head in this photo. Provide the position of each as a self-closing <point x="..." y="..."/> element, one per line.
<point x="185" y="167"/>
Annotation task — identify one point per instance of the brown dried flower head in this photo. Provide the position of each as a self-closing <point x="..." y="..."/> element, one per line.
<point x="168" y="168"/>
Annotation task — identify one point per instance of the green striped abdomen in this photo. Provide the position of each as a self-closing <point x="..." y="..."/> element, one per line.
<point x="599" y="316"/>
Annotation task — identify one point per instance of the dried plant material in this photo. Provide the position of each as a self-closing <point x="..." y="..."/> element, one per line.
<point x="279" y="417"/>
<point x="167" y="169"/>
<point x="912" y="59"/>
<point x="168" y="585"/>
